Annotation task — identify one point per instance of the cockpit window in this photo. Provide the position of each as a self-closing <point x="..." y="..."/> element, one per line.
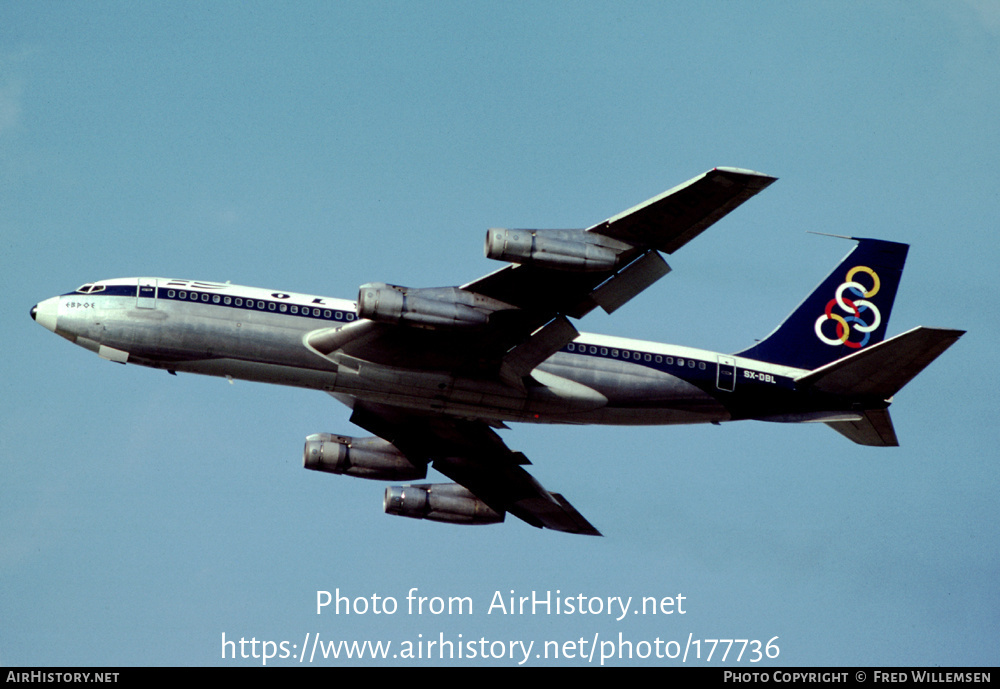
<point x="89" y="288"/>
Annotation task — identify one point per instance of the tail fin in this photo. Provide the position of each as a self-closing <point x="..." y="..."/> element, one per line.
<point x="847" y="312"/>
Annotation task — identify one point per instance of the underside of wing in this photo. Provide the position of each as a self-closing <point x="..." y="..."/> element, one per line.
<point x="669" y="221"/>
<point x="545" y="279"/>
<point x="470" y="453"/>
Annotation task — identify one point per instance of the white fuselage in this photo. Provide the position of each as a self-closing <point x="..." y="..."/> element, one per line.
<point x="261" y="335"/>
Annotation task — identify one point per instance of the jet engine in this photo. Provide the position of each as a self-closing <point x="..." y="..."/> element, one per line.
<point x="435" y="307"/>
<point x="574" y="250"/>
<point x="372" y="458"/>
<point x="440" y="502"/>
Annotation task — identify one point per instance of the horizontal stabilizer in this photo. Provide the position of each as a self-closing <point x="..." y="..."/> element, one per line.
<point x="882" y="369"/>
<point x="874" y="429"/>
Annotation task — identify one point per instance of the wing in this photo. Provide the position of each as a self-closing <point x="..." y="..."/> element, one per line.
<point x="663" y="223"/>
<point x="669" y="221"/>
<point x="530" y="301"/>
<point x="473" y="455"/>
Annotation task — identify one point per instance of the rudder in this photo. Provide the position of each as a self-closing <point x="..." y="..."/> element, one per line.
<point x="848" y="311"/>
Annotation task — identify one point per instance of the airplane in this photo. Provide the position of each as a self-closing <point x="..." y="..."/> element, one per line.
<point x="434" y="373"/>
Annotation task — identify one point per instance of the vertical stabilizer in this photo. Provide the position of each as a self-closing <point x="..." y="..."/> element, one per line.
<point x="847" y="312"/>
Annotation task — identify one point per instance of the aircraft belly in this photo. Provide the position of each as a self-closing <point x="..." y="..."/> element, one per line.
<point x="442" y="392"/>
<point x="256" y="346"/>
<point x="625" y="384"/>
<point x="185" y="335"/>
<point x="261" y="347"/>
<point x="636" y="395"/>
<point x="258" y="372"/>
<point x="640" y="416"/>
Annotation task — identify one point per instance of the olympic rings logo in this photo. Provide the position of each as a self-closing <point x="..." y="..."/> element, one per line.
<point x="853" y="308"/>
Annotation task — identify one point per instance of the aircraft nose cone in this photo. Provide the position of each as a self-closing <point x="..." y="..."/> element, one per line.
<point x="45" y="313"/>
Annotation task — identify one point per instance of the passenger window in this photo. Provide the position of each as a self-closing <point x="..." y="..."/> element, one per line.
<point x="204" y="297"/>
<point x="270" y="306"/>
<point x="295" y="309"/>
<point x="227" y="300"/>
<point x="283" y="308"/>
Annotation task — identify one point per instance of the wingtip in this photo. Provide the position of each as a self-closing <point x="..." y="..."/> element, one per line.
<point x="745" y="172"/>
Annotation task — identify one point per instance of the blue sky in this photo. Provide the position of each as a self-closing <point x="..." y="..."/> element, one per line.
<point x="312" y="147"/>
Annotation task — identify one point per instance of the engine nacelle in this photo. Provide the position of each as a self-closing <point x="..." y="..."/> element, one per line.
<point x="440" y="502"/>
<point x="435" y="307"/>
<point x="372" y="458"/>
<point x="573" y="250"/>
